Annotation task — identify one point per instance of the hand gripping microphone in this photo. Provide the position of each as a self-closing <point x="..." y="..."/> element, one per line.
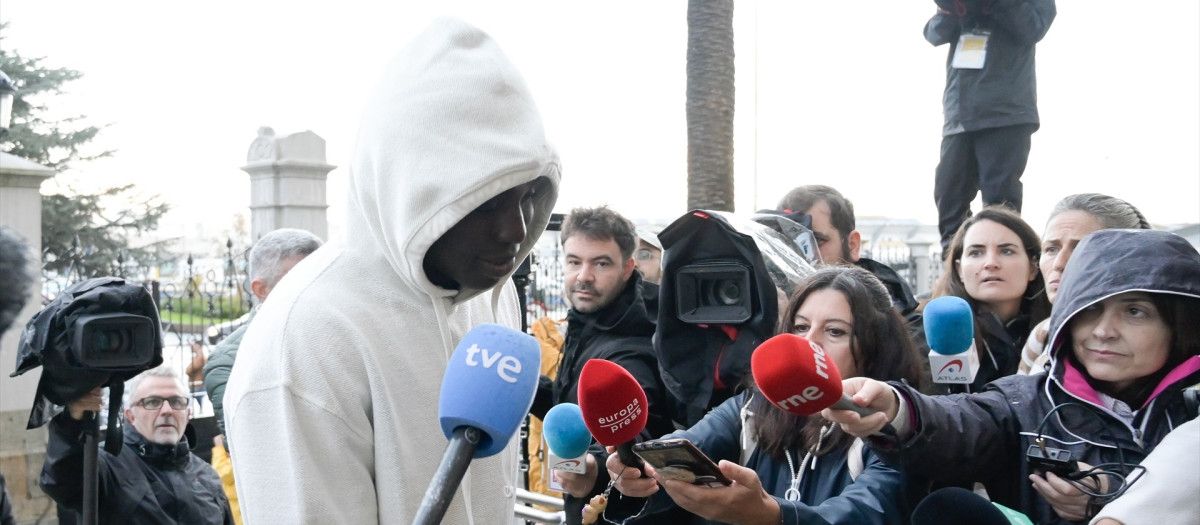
<point x="950" y="332"/>
<point x="487" y="390"/>
<point x="614" y="407"/>
<point x="567" y="436"/>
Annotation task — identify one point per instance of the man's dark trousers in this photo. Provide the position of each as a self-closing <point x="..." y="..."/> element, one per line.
<point x="987" y="160"/>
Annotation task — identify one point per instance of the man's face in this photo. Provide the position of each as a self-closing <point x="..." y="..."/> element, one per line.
<point x="481" y="250"/>
<point x="163" y="425"/>
<point x="595" y="272"/>
<point x="649" y="261"/>
<point x="834" y="249"/>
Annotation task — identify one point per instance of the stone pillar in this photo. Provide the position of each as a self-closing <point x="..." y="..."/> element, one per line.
<point x="919" y="252"/>
<point x="22" y="451"/>
<point x="287" y="183"/>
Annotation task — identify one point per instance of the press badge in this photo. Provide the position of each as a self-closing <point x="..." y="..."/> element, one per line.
<point x="971" y="51"/>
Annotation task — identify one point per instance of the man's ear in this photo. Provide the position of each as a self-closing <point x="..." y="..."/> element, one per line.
<point x="129" y="415"/>
<point x="854" y="242"/>
<point x="627" y="270"/>
<point x="259" y="288"/>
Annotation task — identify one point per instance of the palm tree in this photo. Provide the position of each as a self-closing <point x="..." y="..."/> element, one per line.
<point x="710" y="104"/>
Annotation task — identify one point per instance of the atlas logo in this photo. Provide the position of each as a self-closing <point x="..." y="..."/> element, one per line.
<point x="953" y="367"/>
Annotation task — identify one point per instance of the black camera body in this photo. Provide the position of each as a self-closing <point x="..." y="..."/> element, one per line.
<point x="1056" y="460"/>
<point x="102" y="331"/>
<point x="113" y="341"/>
<point x="719" y="299"/>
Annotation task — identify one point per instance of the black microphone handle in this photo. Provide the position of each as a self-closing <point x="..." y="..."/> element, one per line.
<point x="450" y="472"/>
<point x="845" y="403"/>
<point x="631" y="460"/>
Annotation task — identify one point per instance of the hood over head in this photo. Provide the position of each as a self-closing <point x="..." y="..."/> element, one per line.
<point x="451" y="126"/>
<point x="1111" y="262"/>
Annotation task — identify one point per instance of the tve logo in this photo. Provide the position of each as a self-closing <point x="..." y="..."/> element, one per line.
<point x="508" y="364"/>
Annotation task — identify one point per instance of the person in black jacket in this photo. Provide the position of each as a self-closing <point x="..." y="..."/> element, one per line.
<point x="16" y="279"/>
<point x="990" y="101"/>
<point x="1125" y="350"/>
<point x="155" y="479"/>
<point x="833" y="225"/>
<point x="992" y="264"/>
<point x="612" y="317"/>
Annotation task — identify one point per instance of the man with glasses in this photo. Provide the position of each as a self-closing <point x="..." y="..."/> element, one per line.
<point x="155" y="478"/>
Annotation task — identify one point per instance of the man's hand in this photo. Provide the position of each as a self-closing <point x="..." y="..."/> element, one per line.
<point x="1067" y="500"/>
<point x="90" y="402"/>
<point x="629" y="480"/>
<point x="743" y="502"/>
<point x="580" y="485"/>
<point x="871" y="394"/>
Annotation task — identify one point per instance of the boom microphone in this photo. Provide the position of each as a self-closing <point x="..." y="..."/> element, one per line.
<point x="614" y="407"/>
<point x="487" y="390"/>
<point x="567" y="436"/>
<point x="950" y="332"/>
<point x="798" y="377"/>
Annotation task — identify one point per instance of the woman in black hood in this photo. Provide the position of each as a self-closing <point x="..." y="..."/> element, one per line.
<point x="1125" y="347"/>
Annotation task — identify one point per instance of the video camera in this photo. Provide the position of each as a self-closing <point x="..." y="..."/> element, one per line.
<point x="719" y="299"/>
<point x="99" y="332"/>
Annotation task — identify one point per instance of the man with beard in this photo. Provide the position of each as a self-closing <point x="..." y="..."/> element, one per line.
<point x="155" y="478"/>
<point x="612" y="317"/>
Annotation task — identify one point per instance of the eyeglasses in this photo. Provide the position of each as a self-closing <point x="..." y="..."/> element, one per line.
<point x="155" y="402"/>
<point x="643" y="254"/>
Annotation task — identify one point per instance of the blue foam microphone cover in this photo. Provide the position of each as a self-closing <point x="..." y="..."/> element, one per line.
<point x="565" y="431"/>
<point x="489" y="384"/>
<point x="949" y="325"/>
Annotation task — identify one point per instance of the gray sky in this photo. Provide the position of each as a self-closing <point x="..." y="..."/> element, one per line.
<point x="846" y="94"/>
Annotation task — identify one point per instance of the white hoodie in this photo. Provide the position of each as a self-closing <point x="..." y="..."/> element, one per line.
<point x="332" y="406"/>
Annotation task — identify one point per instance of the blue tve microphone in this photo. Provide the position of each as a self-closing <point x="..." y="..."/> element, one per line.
<point x="567" y="435"/>
<point x="950" y="332"/>
<point x="486" y="392"/>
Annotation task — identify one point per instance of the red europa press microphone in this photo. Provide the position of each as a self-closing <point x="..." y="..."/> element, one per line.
<point x="614" y="407"/>
<point x="797" y="376"/>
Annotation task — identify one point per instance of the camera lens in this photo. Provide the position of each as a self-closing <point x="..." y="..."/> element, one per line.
<point x="722" y="292"/>
<point x="110" y="341"/>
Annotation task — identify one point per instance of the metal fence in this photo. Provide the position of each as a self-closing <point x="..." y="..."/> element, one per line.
<point x="199" y="303"/>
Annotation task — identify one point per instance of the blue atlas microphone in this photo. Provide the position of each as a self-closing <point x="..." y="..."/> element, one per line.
<point x="567" y="436"/>
<point x="950" y="332"/>
<point x="486" y="392"/>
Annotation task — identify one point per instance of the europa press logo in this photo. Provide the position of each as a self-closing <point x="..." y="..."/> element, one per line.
<point x="953" y="367"/>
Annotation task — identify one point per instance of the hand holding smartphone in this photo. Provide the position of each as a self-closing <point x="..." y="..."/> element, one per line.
<point x="679" y="459"/>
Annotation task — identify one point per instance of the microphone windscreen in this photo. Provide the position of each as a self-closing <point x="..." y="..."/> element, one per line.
<point x="613" y="403"/>
<point x="958" y="506"/>
<point x="489" y="384"/>
<point x="949" y="325"/>
<point x="795" y="375"/>
<point x="565" y="432"/>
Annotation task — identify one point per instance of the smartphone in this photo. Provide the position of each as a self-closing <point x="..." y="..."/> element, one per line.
<point x="680" y="459"/>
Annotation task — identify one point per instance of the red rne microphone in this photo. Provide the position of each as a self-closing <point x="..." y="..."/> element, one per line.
<point x="614" y="407"/>
<point x="797" y="376"/>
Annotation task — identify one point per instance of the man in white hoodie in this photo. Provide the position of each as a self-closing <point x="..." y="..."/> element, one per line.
<point x="332" y="406"/>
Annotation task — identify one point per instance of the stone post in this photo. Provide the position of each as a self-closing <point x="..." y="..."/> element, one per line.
<point x="287" y="183"/>
<point x="919" y="251"/>
<point x="22" y="451"/>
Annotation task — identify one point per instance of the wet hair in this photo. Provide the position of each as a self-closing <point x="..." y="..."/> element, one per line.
<point x="1034" y="304"/>
<point x="1110" y="211"/>
<point x="16" y="276"/>
<point x="841" y="210"/>
<point x="602" y="224"/>
<point x="277" y="247"/>
<point x="881" y="346"/>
